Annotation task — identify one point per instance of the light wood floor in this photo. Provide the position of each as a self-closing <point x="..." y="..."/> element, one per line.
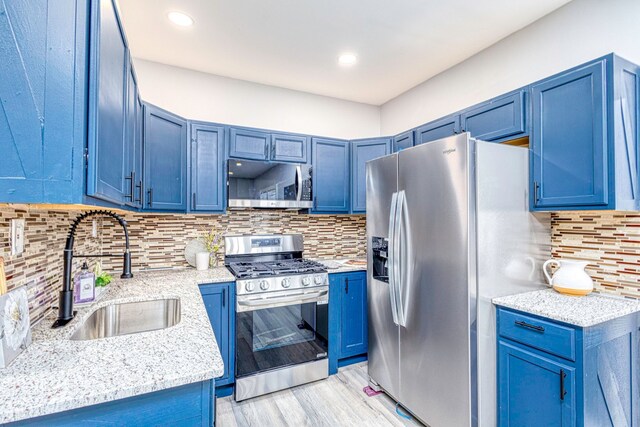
<point x="336" y="401"/>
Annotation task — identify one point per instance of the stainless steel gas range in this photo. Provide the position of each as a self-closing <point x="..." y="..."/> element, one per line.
<point x="281" y="314"/>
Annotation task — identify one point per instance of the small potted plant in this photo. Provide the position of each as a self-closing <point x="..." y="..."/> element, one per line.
<point x="213" y="242"/>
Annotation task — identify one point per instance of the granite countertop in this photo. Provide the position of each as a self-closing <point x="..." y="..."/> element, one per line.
<point x="56" y="374"/>
<point x="578" y="311"/>
<point x="340" y="266"/>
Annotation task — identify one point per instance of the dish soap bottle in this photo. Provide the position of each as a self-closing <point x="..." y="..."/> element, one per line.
<point x="84" y="285"/>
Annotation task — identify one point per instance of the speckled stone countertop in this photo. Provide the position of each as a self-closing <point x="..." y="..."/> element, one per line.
<point x="56" y="374"/>
<point x="339" y="266"/>
<point x="578" y="311"/>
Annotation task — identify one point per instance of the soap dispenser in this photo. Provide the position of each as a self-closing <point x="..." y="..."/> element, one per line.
<point x="84" y="285"/>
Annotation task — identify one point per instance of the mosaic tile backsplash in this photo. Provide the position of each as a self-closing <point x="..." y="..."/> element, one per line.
<point x="157" y="241"/>
<point x="609" y="240"/>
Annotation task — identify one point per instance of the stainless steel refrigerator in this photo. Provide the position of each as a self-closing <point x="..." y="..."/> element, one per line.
<point x="448" y="229"/>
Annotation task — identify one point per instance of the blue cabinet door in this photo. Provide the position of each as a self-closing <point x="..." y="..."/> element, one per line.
<point x="497" y="119"/>
<point x="249" y="144"/>
<point x="353" y="315"/>
<point x="107" y="161"/>
<point x="208" y="178"/>
<point x="165" y="160"/>
<point x="534" y="390"/>
<point x="402" y="141"/>
<point x="42" y="100"/>
<point x="218" y="300"/>
<point x="133" y="146"/>
<point x="569" y="155"/>
<point x="289" y="148"/>
<point x="330" y="175"/>
<point x="361" y="152"/>
<point x="441" y="128"/>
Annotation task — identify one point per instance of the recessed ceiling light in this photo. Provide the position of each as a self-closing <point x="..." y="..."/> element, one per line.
<point x="230" y="172"/>
<point x="238" y="164"/>
<point x="181" y="19"/>
<point x="347" y="59"/>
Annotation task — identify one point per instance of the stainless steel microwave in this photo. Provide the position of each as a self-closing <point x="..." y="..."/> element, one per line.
<point x="256" y="184"/>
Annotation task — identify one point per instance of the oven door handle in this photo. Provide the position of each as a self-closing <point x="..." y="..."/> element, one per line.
<point x="255" y="303"/>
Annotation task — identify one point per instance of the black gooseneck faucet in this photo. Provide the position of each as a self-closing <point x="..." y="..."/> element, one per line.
<point x="65" y="302"/>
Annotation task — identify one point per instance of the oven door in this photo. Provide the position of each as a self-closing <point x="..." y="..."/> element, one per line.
<point x="281" y="329"/>
<point x="269" y="185"/>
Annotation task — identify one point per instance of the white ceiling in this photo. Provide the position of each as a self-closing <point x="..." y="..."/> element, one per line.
<point x="295" y="43"/>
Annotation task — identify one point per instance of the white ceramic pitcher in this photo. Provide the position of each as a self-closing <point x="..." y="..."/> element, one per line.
<point x="571" y="278"/>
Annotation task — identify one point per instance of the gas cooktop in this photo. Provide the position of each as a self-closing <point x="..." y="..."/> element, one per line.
<point x="245" y="270"/>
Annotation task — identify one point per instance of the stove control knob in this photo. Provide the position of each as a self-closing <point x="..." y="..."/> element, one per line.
<point x="264" y="285"/>
<point x="286" y="283"/>
<point x="317" y="280"/>
<point x="306" y="281"/>
<point x="250" y="286"/>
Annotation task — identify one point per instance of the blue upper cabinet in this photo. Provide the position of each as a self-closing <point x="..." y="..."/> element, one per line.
<point x="497" y="119"/>
<point x="208" y="178"/>
<point x="107" y="156"/>
<point x="403" y="141"/>
<point x="441" y="128"/>
<point x="361" y="152"/>
<point x="330" y="175"/>
<point x="585" y="138"/>
<point x="219" y="300"/>
<point x="133" y="155"/>
<point x="249" y="144"/>
<point x="289" y="148"/>
<point x="43" y="87"/>
<point x="165" y="160"/>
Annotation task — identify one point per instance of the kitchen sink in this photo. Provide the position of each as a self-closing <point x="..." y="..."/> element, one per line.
<point x="129" y="318"/>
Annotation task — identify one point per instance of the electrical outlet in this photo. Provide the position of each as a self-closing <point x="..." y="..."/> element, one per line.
<point x="17" y="236"/>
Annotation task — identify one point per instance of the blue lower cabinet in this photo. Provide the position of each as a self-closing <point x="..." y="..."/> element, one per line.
<point x="331" y="175"/>
<point x="187" y="405"/>
<point x="555" y="374"/>
<point x="498" y="119"/>
<point x="219" y="300"/>
<point x="530" y="389"/>
<point x="165" y="160"/>
<point x="348" y="333"/>
<point x="361" y="152"/>
<point x="437" y="129"/>
<point x="403" y="141"/>
<point x="208" y="177"/>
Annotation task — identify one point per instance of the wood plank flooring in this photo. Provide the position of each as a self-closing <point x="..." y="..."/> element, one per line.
<point x="336" y="401"/>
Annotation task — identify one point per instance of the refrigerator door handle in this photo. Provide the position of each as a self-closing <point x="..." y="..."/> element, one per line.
<point x="402" y="257"/>
<point x="392" y="258"/>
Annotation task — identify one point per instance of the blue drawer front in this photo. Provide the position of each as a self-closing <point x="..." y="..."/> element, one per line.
<point x="546" y="336"/>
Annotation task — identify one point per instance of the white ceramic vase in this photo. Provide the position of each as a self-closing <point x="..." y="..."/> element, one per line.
<point x="202" y="260"/>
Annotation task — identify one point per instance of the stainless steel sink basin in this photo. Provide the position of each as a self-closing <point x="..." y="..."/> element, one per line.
<point x="129" y="318"/>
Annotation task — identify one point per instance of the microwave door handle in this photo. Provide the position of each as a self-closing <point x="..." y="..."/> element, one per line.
<point x="392" y="258"/>
<point x="298" y="182"/>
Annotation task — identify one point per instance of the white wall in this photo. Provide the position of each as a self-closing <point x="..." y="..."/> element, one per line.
<point x="207" y="97"/>
<point x="579" y="31"/>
